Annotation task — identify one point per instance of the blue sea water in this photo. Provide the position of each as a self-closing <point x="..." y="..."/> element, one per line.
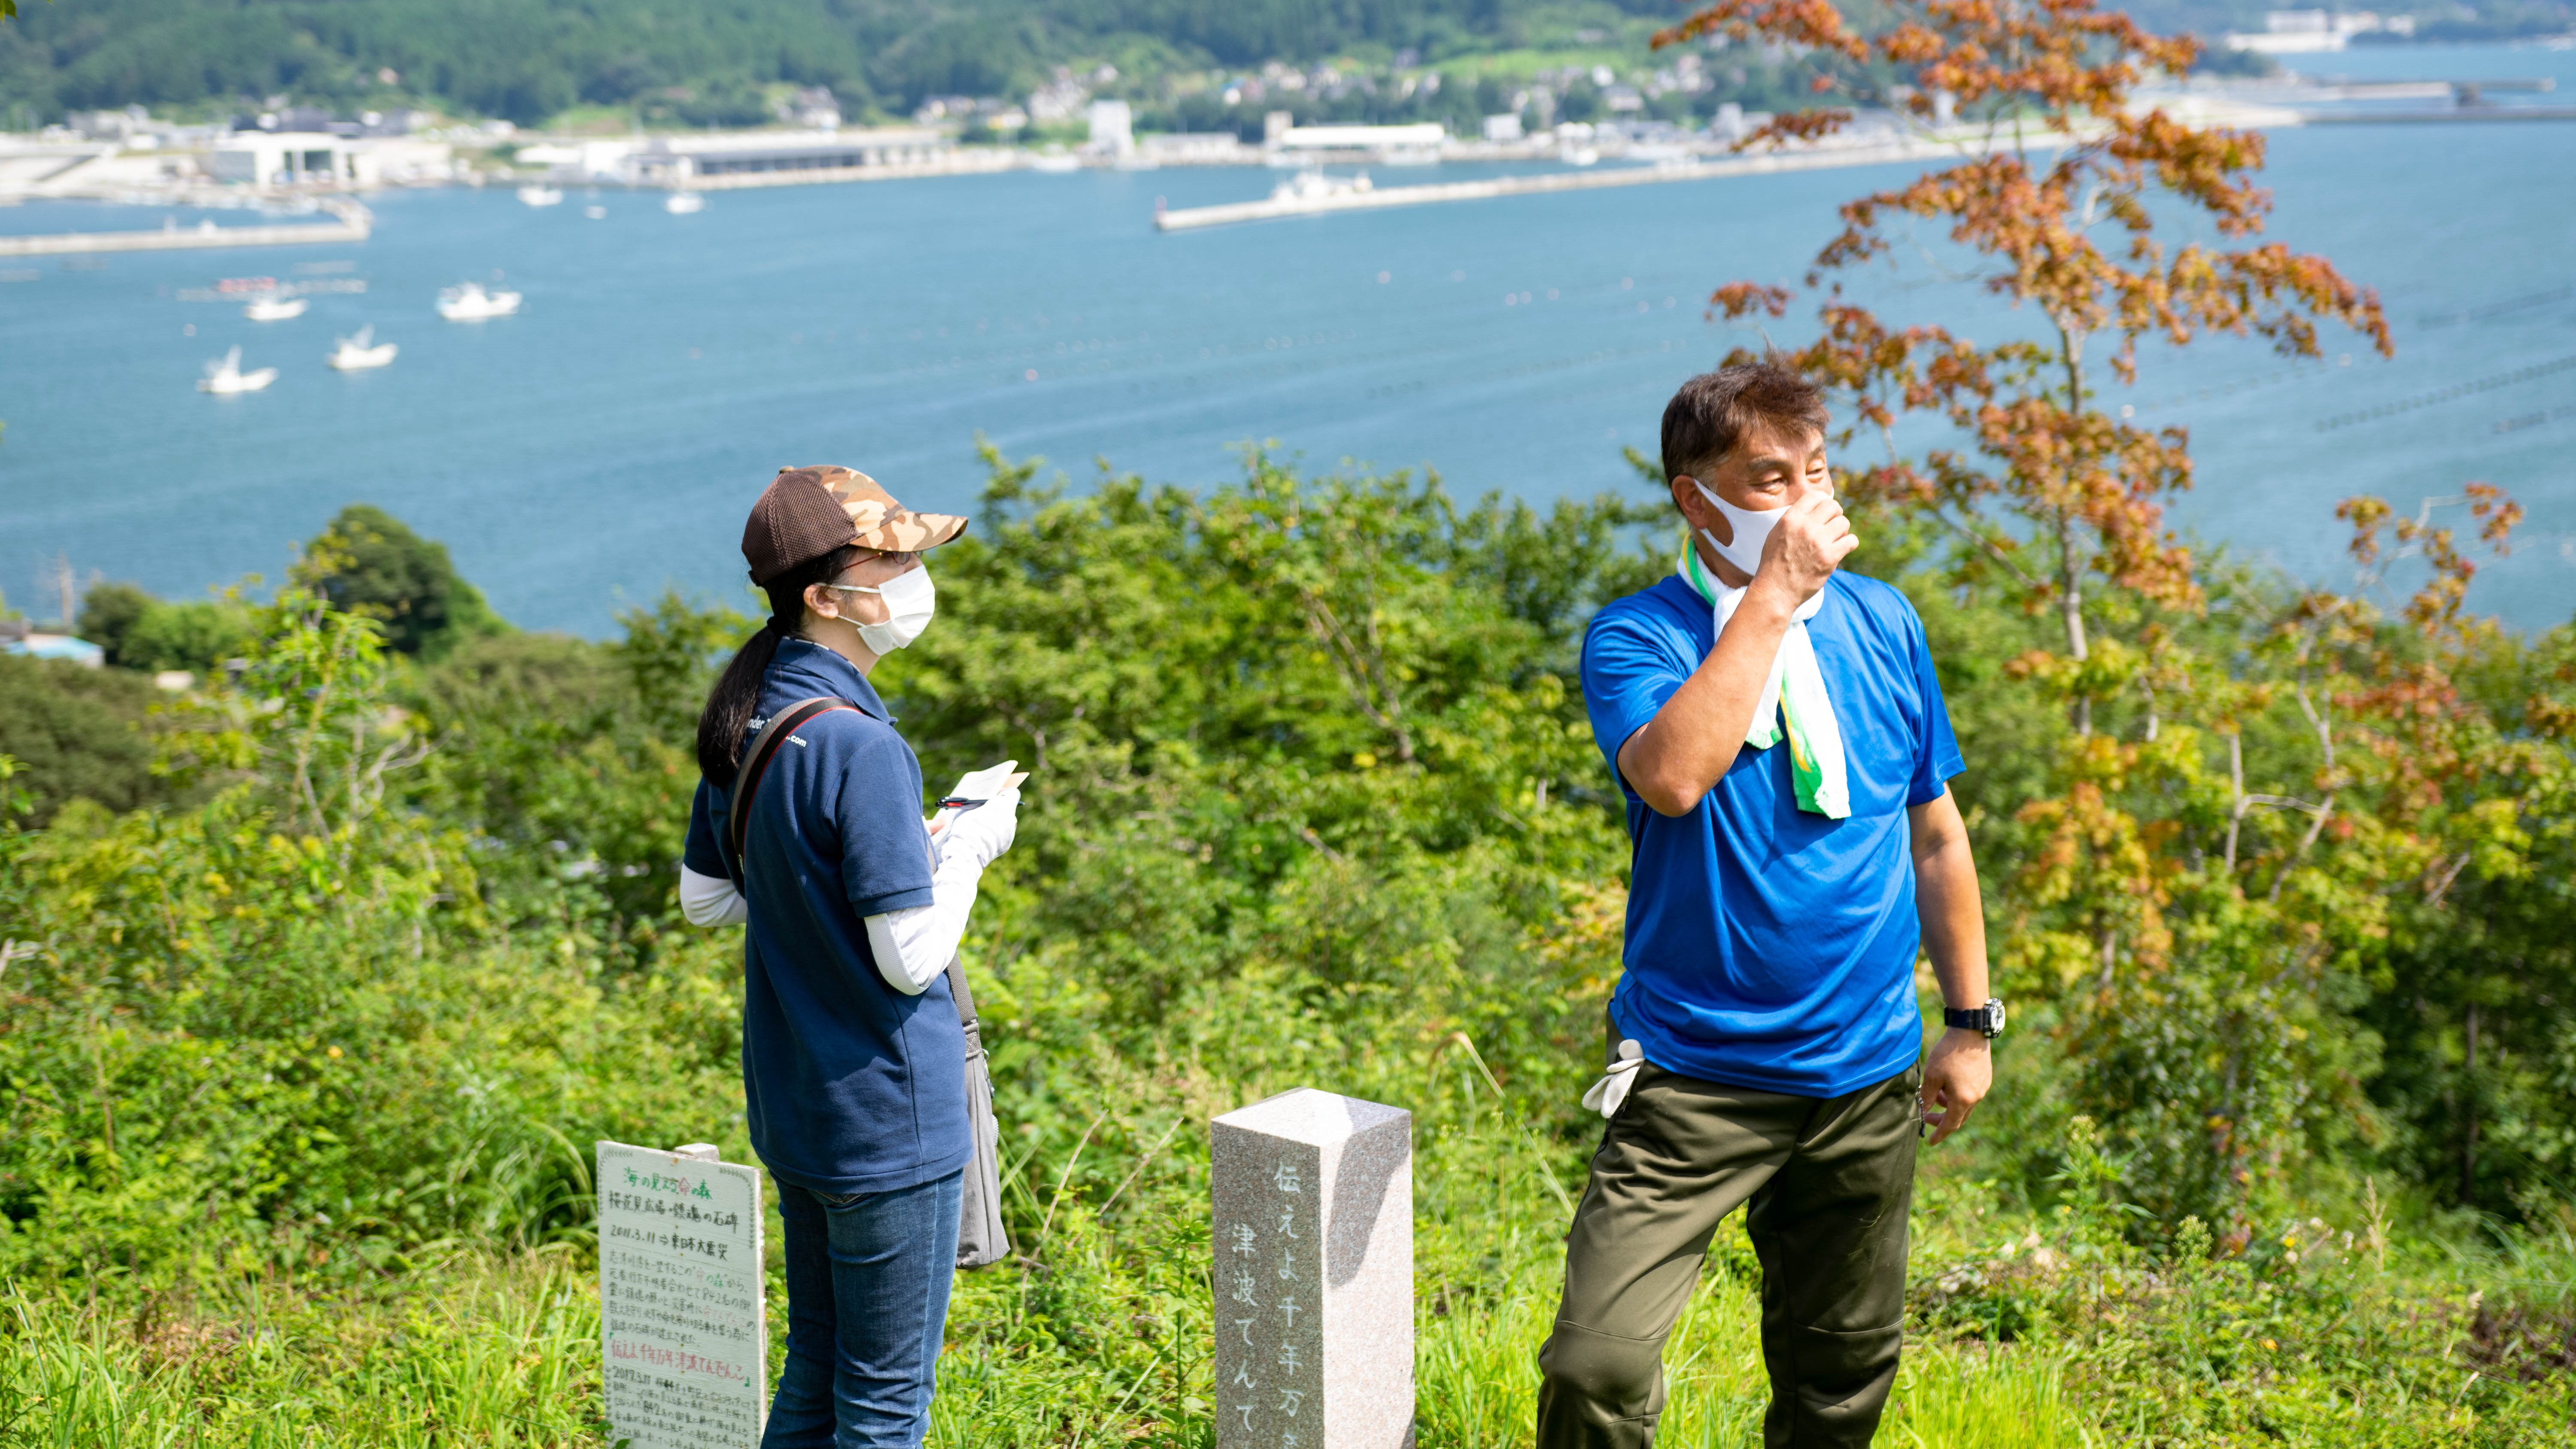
<point x="606" y="442"/>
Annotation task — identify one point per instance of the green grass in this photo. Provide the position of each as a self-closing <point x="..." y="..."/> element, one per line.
<point x="1971" y="1397"/>
<point x="1477" y="1376"/>
<point x="1099" y="1336"/>
<point x="475" y="1351"/>
<point x="490" y="1351"/>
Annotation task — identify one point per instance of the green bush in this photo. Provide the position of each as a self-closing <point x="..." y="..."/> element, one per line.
<point x="200" y="636"/>
<point x="77" y="734"/>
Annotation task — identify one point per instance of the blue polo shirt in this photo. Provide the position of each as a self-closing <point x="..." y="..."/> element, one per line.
<point x="852" y="1086"/>
<point x="1768" y="947"/>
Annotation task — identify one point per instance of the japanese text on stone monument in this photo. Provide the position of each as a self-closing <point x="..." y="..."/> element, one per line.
<point x="682" y="1331"/>
<point x="1313" y="1274"/>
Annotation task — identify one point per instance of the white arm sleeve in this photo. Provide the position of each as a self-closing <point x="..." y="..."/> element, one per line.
<point x="913" y="946"/>
<point x="711" y="900"/>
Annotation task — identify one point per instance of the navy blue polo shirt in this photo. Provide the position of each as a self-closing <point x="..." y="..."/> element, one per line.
<point x="852" y="1086"/>
<point x="1768" y="947"/>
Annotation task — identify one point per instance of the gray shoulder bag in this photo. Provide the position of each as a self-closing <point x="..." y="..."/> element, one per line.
<point x="981" y="1240"/>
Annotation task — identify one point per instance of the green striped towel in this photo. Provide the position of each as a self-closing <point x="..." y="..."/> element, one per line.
<point x="1794" y="696"/>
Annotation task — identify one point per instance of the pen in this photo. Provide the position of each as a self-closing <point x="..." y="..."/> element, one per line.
<point x="954" y="802"/>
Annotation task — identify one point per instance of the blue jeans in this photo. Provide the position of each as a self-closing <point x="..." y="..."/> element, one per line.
<point x="867" y="1303"/>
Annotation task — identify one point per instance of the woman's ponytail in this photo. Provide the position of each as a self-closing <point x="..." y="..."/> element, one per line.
<point x="734" y="701"/>
<point x="731" y="704"/>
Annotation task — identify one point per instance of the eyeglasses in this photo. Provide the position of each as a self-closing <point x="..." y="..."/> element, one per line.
<point x="903" y="560"/>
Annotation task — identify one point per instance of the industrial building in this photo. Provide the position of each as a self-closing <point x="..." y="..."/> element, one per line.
<point x="682" y="160"/>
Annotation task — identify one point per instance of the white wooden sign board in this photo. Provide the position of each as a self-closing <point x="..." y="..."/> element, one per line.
<point x="683" y="1334"/>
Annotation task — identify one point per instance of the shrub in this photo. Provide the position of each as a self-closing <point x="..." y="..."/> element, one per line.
<point x="77" y="734"/>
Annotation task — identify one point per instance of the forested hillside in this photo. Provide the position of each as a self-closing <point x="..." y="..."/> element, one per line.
<point x="527" y="59"/>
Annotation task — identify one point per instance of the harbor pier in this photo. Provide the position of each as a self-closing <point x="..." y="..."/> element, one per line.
<point x="350" y="223"/>
<point x="1295" y="201"/>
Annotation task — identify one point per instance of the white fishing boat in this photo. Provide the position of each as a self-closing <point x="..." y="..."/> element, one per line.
<point x="595" y="213"/>
<point x="468" y="302"/>
<point x="684" y="203"/>
<point x="362" y="351"/>
<point x="1309" y="188"/>
<point x="224" y="377"/>
<point x="275" y="307"/>
<point x="540" y="195"/>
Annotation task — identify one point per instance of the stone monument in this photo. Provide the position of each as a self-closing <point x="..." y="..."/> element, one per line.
<point x="1314" y="1274"/>
<point x="682" y="1324"/>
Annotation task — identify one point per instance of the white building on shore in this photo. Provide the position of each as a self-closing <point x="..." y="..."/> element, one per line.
<point x="1197" y="148"/>
<point x="1417" y="144"/>
<point x="751" y="158"/>
<point x="2308" y="32"/>
<point x="1112" y="127"/>
<point x="322" y="161"/>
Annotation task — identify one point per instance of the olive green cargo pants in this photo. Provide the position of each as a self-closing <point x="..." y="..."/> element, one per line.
<point x="1829" y="1181"/>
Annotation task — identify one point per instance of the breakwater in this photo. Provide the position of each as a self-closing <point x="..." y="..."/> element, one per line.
<point x="1288" y="203"/>
<point x="350" y="223"/>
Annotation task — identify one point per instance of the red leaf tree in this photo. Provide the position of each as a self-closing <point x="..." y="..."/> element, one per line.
<point x="2203" y="945"/>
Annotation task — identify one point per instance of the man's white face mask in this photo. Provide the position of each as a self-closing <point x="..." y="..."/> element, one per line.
<point x="910" y="600"/>
<point x="1750" y="528"/>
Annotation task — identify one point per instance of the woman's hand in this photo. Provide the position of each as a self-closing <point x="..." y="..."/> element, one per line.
<point x="983" y="832"/>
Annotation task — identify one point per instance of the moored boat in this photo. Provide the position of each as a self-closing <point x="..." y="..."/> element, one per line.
<point x="1313" y="188"/>
<point x="224" y="377"/>
<point x="468" y="302"/>
<point x="275" y="307"/>
<point x="362" y="351"/>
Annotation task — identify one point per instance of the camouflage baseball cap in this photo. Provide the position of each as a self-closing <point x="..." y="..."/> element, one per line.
<point x="807" y="512"/>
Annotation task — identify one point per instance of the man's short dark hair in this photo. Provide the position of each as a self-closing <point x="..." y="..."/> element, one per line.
<point x="1713" y="411"/>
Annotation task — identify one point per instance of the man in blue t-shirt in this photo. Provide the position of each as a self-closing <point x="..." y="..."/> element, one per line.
<point x="1777" y="729"/>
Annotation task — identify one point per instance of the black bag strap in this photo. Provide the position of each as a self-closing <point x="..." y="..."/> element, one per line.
<point x="746" y="784"/>
<point x="755" y="766"/>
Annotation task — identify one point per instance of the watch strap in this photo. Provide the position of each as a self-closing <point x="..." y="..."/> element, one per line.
<point x="1988" y="1018"/>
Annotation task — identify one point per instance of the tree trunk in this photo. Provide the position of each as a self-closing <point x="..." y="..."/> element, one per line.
<point x="2070" y="612"/>
<point x="2070" y="591"/>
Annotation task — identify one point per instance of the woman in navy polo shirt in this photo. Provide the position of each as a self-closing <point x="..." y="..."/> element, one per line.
<point x="853" y="1062"/>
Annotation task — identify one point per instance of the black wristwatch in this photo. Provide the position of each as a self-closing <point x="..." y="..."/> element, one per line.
<point x="1988" y="1018"/>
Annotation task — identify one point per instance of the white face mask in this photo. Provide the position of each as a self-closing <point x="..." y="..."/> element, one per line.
<point x="910" y="600"/>
<point x="1750" y="528"/>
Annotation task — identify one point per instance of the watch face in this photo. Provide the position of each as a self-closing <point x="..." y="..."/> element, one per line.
<point x="1994" y="1018"/>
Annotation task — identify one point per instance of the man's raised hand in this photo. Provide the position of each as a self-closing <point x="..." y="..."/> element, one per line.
<point x="1808" y="545"/>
